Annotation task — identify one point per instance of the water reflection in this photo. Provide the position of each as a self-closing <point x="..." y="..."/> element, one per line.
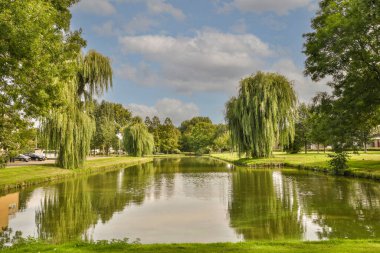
<point x="342" y="208"/>
<point x="8" y="208"/>
<point x="196" y="200"/>
<point x="264" y="205"/>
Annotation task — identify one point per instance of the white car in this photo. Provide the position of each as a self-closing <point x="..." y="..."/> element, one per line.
<point x="23" y="158"/>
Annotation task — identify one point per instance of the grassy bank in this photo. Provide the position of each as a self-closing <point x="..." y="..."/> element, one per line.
<point x="339" y="246"/>
<point x="16" y="177"/>
<point x="362" y="165"/>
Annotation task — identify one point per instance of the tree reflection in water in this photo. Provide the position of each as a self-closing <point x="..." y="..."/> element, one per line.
<point x="258" y="204"/>
<point x="290" y="204"/>
<point x="261" y="209"/>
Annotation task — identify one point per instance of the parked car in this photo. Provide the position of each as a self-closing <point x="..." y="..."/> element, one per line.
<point x="36" y="157"/>
<point x="23" y="158"/>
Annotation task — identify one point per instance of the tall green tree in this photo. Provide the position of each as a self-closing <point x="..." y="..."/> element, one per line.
<point x="222" y="142"/>
<point x="302" y="130"/>
<point x="71" y="128"/>
<point x="110" y="118"/>
<point x="185" y="129"/>
<point x="263" y="114"/>
<point x="35" y="45"/>
<point x="222" y="139"/>
<point x="201" y="137"/>
<point x="169" y="137"/>
<point x="344" y="40"/>
<point x="344" y="45"/>
<point x="137" y="140"/>
<point x="154" y="128"/>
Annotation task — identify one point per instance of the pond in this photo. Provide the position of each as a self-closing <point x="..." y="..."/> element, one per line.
<point x="196" y="200"/>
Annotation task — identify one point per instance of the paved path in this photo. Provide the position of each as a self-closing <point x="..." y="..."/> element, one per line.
<point x="20" y="163"/>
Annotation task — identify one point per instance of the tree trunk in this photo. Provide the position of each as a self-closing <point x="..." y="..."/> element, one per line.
<point x="318" y="148"/>
<point x="365" y="147"/>
<point x="305" y="147"/>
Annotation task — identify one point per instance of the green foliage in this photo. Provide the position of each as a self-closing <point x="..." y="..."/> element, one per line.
<point x="110" y="118"/>
<point x="34" y="52"/>
<point x="296" y="146"/>
<point x="222" y="142"/>
<point x="69" y="131"/>
<point x="344" y="40"/>
<point x="95" y="75"/>
<point x="319" y="120"/>
<point x="166" y="136"/>
<point x="302" y="131"/>
<point x="71" y="128"/>
<point x="137" y="140"/>
<point x="262" y="115"/>
<point x="3" y="160"/>
<point x="338" y="162"/>
<point x="185" y="129"/>
<point x="169" y="137"/>
<point x="17" y="135"/>
<point x="344" y="45"/>
<point x="45" y="76"/>
<point x="200" y="137"/>
<point x="154" y="128"/>
<point x="192" y="122"/>
<point x="338" y="122"/>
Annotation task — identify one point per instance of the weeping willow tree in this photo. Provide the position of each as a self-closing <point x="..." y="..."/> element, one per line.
<point x="70" y="128"/>
<point x="137" y="140"/>
<point x="262" y="115"/>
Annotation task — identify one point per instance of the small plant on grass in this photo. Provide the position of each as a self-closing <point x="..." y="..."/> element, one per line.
<point x="3" y="161"/>
<point x="338" y="162"/>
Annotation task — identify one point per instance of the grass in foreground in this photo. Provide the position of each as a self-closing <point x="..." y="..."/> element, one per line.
<point x="336" y="246"/>
<point x="13" y="177"/>
<point x="364" y="165"/>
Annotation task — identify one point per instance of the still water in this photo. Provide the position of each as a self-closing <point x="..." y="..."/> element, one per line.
<point x="195" y="200"/>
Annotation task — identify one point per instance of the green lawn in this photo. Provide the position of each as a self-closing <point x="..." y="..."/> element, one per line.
<point x="13" y="177"/>
<point x="340" y="246"/>
<point x="362" y="165"/>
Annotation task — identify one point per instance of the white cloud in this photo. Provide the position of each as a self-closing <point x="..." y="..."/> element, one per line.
<point x="139" y="23"/>
<point x="209" y="61"/>
<point x="304" y="86"/>
<point x="161" y="7"/>
<point x="105" y="29"/>
<point x="141" y="74"/>
<point x="280" y="7"/>
<point x="271" y="22"/>
<point x="99" y="7"/>
<point x="239" y="27"/>
<point x="177" y="110"/>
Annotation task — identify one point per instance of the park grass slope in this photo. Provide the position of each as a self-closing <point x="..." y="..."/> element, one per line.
<point x="335" y="246"/>
<point x="17" y="177"/>
<point x="360" y="165"/>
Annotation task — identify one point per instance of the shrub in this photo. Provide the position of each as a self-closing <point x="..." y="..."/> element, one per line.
<point x="176" y="151"/>
<point x="3" y="160"/>
<point x="338" y="162"/>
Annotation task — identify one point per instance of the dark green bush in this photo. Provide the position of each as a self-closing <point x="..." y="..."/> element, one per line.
<point x="338" y="162"/>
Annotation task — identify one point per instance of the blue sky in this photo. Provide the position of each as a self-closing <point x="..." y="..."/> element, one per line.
<point x="185" y="58"/>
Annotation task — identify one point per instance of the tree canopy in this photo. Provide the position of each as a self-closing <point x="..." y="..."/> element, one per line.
<point x="262" y="115"/>
<point x="71" y="128"/>
<point x="137" y="140"/>
<point x="45" y="76"/>
<point x="110" y="119"/>
<point x="344" y="45"/>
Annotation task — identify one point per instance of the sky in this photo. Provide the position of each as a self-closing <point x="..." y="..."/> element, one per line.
<point x="185" y="58"/>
